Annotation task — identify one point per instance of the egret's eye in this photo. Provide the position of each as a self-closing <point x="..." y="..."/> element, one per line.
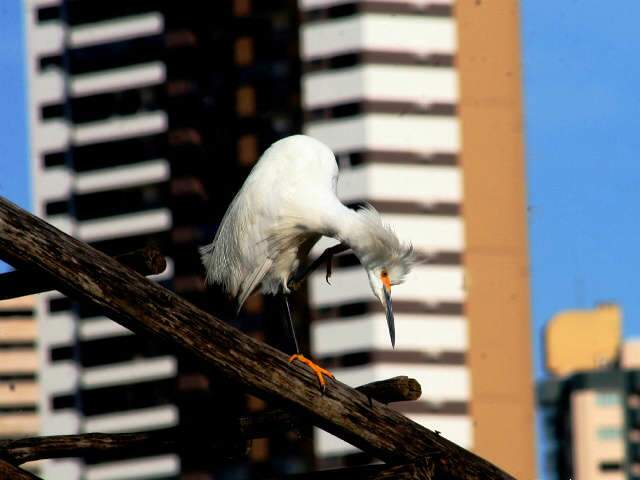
<point x="386" y="281"/>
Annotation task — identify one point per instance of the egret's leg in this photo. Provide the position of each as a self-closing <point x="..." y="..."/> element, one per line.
<point x="318" y="370"/>
<point x="291" y="327"/>
<point x="327" y="255"/>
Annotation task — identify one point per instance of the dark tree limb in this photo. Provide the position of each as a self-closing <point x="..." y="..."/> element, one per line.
<point x="147" y="261"/>
<point x="212" y="441"/>
<point x="397" y="389"/>
<point x="145" y="307"/>
<point x="9" y="471"/>
<point x="139" y="444"/>
<point x="371" y="472"/>
<point x="61" y="446"/>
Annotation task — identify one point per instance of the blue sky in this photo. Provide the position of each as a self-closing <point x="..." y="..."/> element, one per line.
<point x="14" y="182"/>
<point x="582" y="103"/>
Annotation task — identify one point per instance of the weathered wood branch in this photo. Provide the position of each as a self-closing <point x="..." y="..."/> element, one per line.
<point x="145" y="307"/>
<point x="138" y="444"/>
<point x="370" y="472"/>
<point x="9" y="471"/>
<point x="60" y="446"/>
<point x="147" y="261"/>
<point x="259" y="425"/>
<point x="397" y="389"/>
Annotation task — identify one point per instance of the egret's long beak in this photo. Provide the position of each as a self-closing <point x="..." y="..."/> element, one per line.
<point x="388" y="306"/>
<point x="390" y="322"/>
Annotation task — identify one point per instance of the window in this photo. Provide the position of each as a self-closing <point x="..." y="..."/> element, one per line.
<point x="241" y="8"/>
<point x="243" y="51"/>
<point x="113" y="153"/>
<point x="121" y="201"/>
<point x="110" y="55"/>
<point x="48" y="13"/>
<point x="50" y="61"/>
<point x="609" y="433"/>
<point x="247" y="150"/>
<point x="608" y="399"/>
<point x="52" y="111"/>
<point x="88" y="12"/>
<point x="246" y="101"/>
<point x="54" y="159"/>
<point x="60" y="207"/>
<point x="611" y="466"/>
<point x="59" y="304"/>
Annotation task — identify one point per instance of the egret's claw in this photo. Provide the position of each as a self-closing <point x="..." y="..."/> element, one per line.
<point x="329" y="267"/>
<point x="318" y="370"/>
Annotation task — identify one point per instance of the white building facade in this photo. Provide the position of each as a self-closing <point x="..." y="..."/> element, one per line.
<point x="381" y="89"/>
<point x="62" y="72"/>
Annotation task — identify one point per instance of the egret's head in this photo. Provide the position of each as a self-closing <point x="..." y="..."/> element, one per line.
<point x="386" y="260"/>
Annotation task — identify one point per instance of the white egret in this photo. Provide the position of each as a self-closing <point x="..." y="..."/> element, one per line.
<point x="286" y="204"/>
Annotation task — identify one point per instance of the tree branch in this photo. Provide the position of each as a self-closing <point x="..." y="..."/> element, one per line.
<point x="145" y="307"/>
<point x="9" y="471"/>
<point x="370" y="472"/>
<point x="244" y="428"/>
<point x="397" y="389"/>
<point x="147" y="261"/>
<point x="138" y="444"/>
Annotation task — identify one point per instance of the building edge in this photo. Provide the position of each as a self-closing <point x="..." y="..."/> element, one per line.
<point x="492" y="158"/>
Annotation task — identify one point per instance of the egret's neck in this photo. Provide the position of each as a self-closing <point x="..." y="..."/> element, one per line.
<point x="348" y="227"/>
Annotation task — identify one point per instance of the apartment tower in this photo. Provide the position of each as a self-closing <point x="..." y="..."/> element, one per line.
<point x="145" y="117"/>
<point x="421" y="102"/>
<point x="18" y="369"/>
<point x="591" y="401"/>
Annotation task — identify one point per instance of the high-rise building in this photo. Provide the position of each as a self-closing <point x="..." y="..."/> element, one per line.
<point x="591" y="403"/>
<point x="422" y="106"/>
<point x="18" y="369"/>
<point x="19" y="384"/>
<point x="145" y="117"/>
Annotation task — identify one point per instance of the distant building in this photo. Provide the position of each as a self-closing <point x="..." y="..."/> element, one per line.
<point x="579" y="340"/>
<point x="145" y="116"/>
<point x="423" y="110"/>
<point x="591" y="405"/>
<point x="19" y="388"/>
<point x="19" y="372"/>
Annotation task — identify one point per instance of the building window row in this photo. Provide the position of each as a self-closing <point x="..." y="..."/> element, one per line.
<point x="378" y="57"/>
<point x="119" y="202"/>
<point x="394" y="107"/>
<point x="391" y="8"/>
<point x="120" y="103"/>
<point x="46" y="14"/>
<point x="89" y="11"/>
<point x="113" y="55"/>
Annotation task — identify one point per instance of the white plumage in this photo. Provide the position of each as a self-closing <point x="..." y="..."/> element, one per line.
<point x="286" y="204"/>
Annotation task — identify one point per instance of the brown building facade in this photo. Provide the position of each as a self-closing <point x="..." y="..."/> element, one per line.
<point x="496" y="255"/>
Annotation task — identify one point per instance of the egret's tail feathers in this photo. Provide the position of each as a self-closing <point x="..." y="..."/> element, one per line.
<point x="252" y="281"/>
<point x="206" y="256"/>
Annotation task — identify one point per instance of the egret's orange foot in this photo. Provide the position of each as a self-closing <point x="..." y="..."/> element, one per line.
<point x="318" y="370"/>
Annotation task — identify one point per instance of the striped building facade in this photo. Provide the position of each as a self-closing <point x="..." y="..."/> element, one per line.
<point x="19" y="372"/>
<point x="145" y="117"/>
<point x="18" y="369"/>
<point x="395" y="89"/>
<point x="81" y="154"/>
